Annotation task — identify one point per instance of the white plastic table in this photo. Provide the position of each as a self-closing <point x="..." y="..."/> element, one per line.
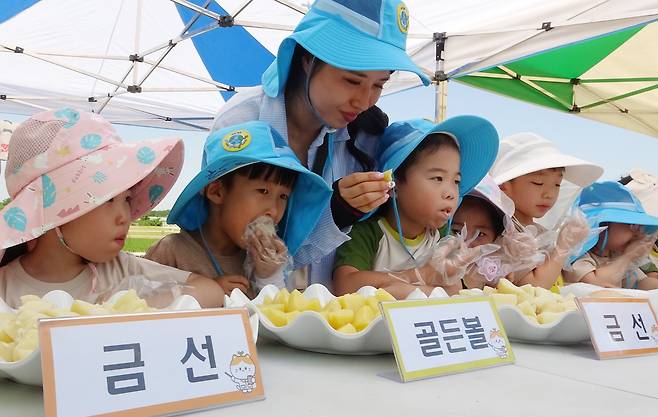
<point x="545" y="381"/>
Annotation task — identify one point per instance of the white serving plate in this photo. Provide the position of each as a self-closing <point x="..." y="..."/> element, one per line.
<point x="28" y="370"/>
<point x="582" y="289"/>
<point x="310" y="331"/>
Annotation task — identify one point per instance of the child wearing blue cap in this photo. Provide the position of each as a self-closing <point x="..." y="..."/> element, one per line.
<point x="320" y="94"/>
<point x="434" y="165"/>
<point x="613" y="258"/>
<point x="249" y="182"/>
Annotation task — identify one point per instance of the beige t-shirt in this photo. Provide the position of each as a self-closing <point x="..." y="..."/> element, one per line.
<point x="15" y="281"/>
<point x="589" y="262"/>
<point x="183" y="251"/>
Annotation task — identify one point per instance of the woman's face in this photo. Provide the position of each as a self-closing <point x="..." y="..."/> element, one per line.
<point x="340" y="95"/>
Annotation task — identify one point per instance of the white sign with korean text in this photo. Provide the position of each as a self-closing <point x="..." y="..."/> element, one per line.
<point x="442" y="336"/>
<point x="621" y="326"/>
<point x="148" y="364"/>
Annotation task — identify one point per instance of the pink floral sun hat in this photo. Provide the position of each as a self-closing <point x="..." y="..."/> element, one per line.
<point x="62" y="164"/>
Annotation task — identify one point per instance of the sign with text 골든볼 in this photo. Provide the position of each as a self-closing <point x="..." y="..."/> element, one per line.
<point x="445" y="336"/>
<point x="620" y="327"/>
<point x="148" y="364"/>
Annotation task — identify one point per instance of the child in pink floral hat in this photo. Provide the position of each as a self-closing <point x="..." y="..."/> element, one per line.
<point x="75" y="187"/>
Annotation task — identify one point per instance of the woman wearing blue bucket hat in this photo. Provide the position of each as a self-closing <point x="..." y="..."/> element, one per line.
<point x="612" y="258"/>
<point x="327" y="73"/>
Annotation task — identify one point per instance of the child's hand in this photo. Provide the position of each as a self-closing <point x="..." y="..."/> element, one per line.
<point x="364" y="191"/>
<point x="572" y="234"/>
<point x="229" y="282"/>
<point x="639" y="248"/>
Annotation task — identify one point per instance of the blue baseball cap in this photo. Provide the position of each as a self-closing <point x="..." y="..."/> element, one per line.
<point x="355" y="35"/>
<point x="611" y="202"/>
<point x="248" y="143"/>
<point x="477" y="139"/>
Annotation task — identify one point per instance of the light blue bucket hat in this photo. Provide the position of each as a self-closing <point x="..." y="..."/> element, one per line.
<point x="477" y="139"/>
<point x="248" y="143"/>
<point x="355" y="35"/>
<point x="611" y="202"/>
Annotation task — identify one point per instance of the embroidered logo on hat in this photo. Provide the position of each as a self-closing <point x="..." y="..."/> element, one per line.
<point x="236" y="140"/>
<point x="403" y="18"/>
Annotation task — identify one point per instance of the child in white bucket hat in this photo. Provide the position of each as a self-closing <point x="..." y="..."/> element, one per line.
<point x="75" y="187"/>
<point x="530" y="169"/>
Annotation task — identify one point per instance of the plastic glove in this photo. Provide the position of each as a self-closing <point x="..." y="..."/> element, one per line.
<point x="453" y="257"/>
<point x="574" y="231"/>
<point x="267" y="255"/>
<point x="638" y="249"/>
<point x="158" y="294"/>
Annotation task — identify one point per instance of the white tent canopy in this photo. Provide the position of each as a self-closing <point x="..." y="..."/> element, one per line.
<point x="136" y="62"/>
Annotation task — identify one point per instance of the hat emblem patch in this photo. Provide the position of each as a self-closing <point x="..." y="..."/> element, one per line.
<point x="236" y="140"/>
<point x="403" y="18"/>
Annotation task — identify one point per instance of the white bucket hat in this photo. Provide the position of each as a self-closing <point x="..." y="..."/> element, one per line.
<point x="527" y="152"/>
<point x="645" y="187"/>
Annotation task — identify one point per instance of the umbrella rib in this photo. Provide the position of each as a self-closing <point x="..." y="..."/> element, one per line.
<point x="110" y="95"/>
<point x="241" y="8"/>
<point x="261" y="25"/>
<point x="618" y="97"/>
<point x="623" y="111"/>
<point x="195" y="77"/>
<point x="618" y="80"/>
<point x="293" y="6"/>
<point x="25" y="103"/>
<point x="535" y="86"/>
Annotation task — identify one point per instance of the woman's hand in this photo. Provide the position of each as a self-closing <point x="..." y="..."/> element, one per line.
<point x="365" y="191"/>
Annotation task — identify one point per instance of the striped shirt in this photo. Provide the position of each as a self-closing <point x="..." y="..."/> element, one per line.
<point x="318" y="251"/>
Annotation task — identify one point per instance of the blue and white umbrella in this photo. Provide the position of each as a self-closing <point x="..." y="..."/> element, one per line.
<point x="143" y="62"/>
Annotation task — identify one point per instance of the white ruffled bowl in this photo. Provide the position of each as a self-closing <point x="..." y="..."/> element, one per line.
<point x="310" y="331"/>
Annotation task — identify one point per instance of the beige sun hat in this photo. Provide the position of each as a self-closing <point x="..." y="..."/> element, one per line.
<point x="645" y="187"/>
<point x="527" y="152"/>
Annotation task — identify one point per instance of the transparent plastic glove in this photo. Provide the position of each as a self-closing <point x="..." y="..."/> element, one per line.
<point x="573" y="232"/>
<point x="266" y="252"/>
<point x="453" y="257"/>
<point x="526" y="248"/>
<point x="157" y="294"/>
<point x="639" y="249"/>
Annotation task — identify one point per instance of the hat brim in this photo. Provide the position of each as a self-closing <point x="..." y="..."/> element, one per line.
<point x="74" y="189"/>
<point x="577" y="171"/>
<point x="341" y="46"/>
<point x="597" y="217"/>
<point x="478" y="147"/>
<point x="308" y="200"/>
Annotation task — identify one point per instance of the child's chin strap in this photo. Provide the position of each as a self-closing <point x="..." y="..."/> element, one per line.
<point x="94" y="271"/>
<point x="213" y="260"/>
<point x="398" y="226"/>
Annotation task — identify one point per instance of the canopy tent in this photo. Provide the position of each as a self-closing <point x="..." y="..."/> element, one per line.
<point x="172" y="63"/>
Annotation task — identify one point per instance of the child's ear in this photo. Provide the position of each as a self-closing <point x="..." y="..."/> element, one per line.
<point x="505" y="187"/>
<point x="215" y="192"/>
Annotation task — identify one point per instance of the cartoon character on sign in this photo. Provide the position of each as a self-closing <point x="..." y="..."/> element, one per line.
<point x="654" y="333"/>
<point x="497" y="343"/>
<point x="243" y="372"/>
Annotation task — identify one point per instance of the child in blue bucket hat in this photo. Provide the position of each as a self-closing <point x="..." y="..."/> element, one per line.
<point x="249" y="182"/>
<point x="320" y="94"/>
<point x="612" y="258"/>
<point x="433" y="165"/>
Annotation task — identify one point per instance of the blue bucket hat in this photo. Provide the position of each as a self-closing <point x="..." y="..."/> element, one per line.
<point x="477" y="139"/>
<point x="248" y="143"/>
<point x="356" y="35"/>
<point x="611" y="202"/>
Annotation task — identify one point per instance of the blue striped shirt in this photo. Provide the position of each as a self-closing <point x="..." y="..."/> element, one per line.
<point x="318" y="251"/>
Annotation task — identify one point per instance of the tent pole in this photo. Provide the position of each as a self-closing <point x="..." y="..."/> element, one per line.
<point x="440" y="78"/>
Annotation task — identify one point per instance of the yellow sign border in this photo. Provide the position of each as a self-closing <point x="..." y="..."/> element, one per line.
<point x="448" y="369"/>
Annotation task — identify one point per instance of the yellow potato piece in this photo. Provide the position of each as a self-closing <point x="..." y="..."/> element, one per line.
<point x="282" y="297"/>
<point x="333" y="305"/>
<point x="373" y="303"/>
<point x="352" y="301"/>
<point x="6" y="352"/>
<point x="268" y="300"/>
<point x="388" y="175"/>
<point x="363" y="317"/>
<point x="548" y="317"/>
<point x="277" y="317"/>
<point x="338" y="319"/>
<point x="383" y="295"/>
<point x="280" y="307"/>
<point x="347" y="329"/>
<point x="130" y="303"/>
<point x="84" y="308"/>
<point x="296" y="302"/>
<point x="291" y="316"/>
<point x="313" y="305"/>
<point x="503" y="299"/>
<point x="527" y="308"/>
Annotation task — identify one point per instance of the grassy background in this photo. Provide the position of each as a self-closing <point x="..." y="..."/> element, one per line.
<point x="140" y="238"/>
